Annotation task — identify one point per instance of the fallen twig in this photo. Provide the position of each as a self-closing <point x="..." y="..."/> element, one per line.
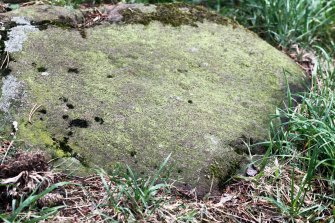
<point x="32" y="111"/>
<point x="5" y="61"/>
<point x="8" y="148"/>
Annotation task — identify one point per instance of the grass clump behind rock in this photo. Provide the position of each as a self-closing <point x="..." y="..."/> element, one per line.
<point x="305" y="136"/>
<point x="309" y="23"/>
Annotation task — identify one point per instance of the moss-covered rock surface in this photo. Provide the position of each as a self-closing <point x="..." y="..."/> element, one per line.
<point x="132" y="92"/>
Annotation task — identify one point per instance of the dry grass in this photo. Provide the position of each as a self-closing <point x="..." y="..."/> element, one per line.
<point x="246" y="199"/>
<point x="266" y="197"/>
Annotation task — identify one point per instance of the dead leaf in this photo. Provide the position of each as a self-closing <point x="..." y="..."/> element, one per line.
<point x="224" y="199"/>
<point x="12" y="180"/>
<point x="252" y="171"/>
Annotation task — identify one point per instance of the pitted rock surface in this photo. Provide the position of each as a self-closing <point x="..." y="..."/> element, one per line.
<point x="135" y="90"/>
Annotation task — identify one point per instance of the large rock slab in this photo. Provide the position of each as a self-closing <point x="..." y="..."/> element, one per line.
<point x="159" y="80"/>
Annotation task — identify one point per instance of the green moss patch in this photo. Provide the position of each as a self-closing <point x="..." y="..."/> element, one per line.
<point x="175" y="14"/>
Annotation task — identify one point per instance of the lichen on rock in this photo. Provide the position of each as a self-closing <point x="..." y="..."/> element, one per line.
<point x="11" y="90"/>
<point x="18" y="34"/>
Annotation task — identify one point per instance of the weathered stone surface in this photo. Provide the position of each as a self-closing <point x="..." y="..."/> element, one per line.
<point x="15" y="1"/>
<point x="135" y="93"/>
<point x="45" y="13"/>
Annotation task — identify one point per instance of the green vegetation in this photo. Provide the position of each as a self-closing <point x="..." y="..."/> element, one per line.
<point x="306" y="133"/>
<point x="138" y="195"/>
<point x="306" y="137"/>
<point x="309" y="23"/>
<point x="26" y="210"/>
<point x="309" y="128"/>
<point x="283" y="23"/>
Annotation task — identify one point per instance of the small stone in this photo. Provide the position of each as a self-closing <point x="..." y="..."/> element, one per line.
<point x="15" y="126"/>
<point x="251" y="171"/>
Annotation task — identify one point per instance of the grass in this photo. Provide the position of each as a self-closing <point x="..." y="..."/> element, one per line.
<point x="25" y="210"/>
<point x="302" y="133"/>
<point x="306" y="135"/>
<point x="284" y="23"/>
<point x="121" y="196"/>
<point x="132" y="196"/>
<point x="310" y="126"/>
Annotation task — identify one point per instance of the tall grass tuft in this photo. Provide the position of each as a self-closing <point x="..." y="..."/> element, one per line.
<point x="287" y="22"/>
<point x="25" y="210"/>
<point x="306" y="133"/>
<point x="310" y="127"/>
<point x="133" y="196"/>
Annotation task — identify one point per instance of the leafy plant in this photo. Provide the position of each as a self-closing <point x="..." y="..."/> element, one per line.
<point x="26" y="210"/>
